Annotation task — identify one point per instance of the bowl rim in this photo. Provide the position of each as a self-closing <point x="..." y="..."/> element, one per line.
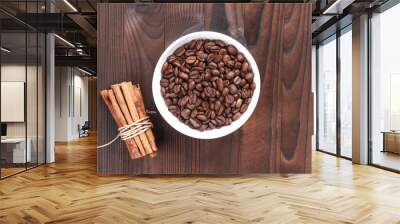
<point x="173" y="121"/>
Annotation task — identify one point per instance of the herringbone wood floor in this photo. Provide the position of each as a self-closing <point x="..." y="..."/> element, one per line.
<point x="69" y="191"/>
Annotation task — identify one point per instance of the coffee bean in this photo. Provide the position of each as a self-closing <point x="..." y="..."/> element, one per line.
<point x="230" y="75"/>
<point x="245" y="67"/>
<point x="220" y="84"/>
<point x="179" y="52"/>
<point x="236" y="116"/>
<point x="215" y="72"/>
<point x="194" y="123"/>
<point x="243" y="108"/>
<point x="199" y="87"/>
<point x="210" y="92"/>
<point x="230" y="63"/>
<point x="243" y="82"/>
<point x="193" y="114"/>
<point x="210" y="58"/>
<point x="191" y="85"/>
<point x="217" y="105"/>
<point x="220" y="120"/>
<point x="226" y="58"/>
<point x="240" y="57"/>
<point x="214" y="49"/>
<point x="183" y="75"/>
<point x="185" y="113"/>
<point x="238" y="65"/>
<point x="191" y="59"/>
<point x="239" y="103"/>
<point x="172" y="108"/>
<point x="201" y="117"/>
<point x="190" y="106"/>
<point x="222" y="51"/>
<point x="232" y="50"/>
<point x="192" y="44"/>
<point x="207" y="76"/>
<point x="183" y="101"/>
<point x="177" y="89"/>
<point x="229" y="99"/>
<point x="237" y="80"/>
<point x="253" y="86"/>
<point x="199" y="44"/>
<point x="207" y="84"/>
<point x="249" y="77"/>
<point x="225" y="91"/>
<point x="209" y="44"/>
<point x="220" y="43"/>
<point x="233" y="89"/>
<point x="201" y="56"/>
<point x="203" y="127"/>
<point x="212" y="65"/>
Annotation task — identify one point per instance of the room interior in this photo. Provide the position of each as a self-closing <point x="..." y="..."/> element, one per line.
<point x="322" y="145"/>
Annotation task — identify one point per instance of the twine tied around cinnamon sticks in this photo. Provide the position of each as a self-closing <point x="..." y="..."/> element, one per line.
<point x="130" y="131"/>
<point x="125" y="102"/>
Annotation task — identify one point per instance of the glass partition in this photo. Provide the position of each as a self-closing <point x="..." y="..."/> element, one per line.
<point x="32" y="98"/>
<point x="327" y="96"/>
<point x="13" y="94"/>
<point x="23" y="90"/>
<point x="346" y="93"/>
<point x="385" y="89"/>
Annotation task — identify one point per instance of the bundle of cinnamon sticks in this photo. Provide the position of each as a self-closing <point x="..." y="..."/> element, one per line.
<point x="125" y="102"/>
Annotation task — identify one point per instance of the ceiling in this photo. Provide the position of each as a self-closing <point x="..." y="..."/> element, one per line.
<point x="75" y="23"/>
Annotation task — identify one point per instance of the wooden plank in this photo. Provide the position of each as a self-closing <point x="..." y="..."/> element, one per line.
<point x="111" y="159"/>
<point x="295" y="87"/>
<point x="219" y="156"/>
<point x="144" y="40"/>
<point x="263" y="32"/>
<point x="182" y="152"/>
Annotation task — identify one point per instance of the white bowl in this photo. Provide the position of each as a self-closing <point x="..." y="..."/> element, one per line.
<point x="174" y="121"/>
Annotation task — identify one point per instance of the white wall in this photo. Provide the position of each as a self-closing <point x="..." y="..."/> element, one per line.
<point x="71" y="102"/>
<point x="33" y="127"/>
<point x="16" y="73"/>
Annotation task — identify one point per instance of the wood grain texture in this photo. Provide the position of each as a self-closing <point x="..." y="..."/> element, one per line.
<point x="92" y="97"/>
<point x="277" y="137"/>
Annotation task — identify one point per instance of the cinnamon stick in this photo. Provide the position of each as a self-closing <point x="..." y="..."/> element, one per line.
<point x="120" y="121"/>
<point x="139" y="103"/>
<point x="127" y="90"/>
<point x="125" y="111"/>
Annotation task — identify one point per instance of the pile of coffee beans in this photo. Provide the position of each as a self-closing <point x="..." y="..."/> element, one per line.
<point x="207" y="84"/>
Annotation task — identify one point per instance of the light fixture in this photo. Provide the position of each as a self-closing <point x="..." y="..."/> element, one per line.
<point x="337" y="7"/>
<point x="65" y="41"/>
<point x="5" y="50"/>
<point x="84" y="71"/>
<point x="70" y="5"/>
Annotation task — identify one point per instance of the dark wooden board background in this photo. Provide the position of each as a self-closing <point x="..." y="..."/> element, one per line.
<point x="277" y="137"/>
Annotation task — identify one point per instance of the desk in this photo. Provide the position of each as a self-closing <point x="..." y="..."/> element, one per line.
<point x="13" y="150"/>
<point x="391" y="141"/>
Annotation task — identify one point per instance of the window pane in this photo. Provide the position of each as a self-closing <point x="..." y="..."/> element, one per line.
<point x="327" y="96"/>
<point x="385" y="114"/>
<point x="346" y="94"/>
<point x="14" y="150"/>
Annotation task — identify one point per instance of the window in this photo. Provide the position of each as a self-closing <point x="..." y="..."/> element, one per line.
<point x="327" y="96"/>
<point x="346" y="93"/>
<point x="385" y="89"/>
<point x="22" y="75"/>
